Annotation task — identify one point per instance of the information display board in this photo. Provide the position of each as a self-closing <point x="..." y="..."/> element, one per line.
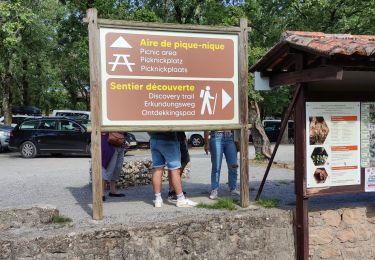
<point x="333" y="144"/>
<point x="173" y="78"/>
<point x="368" y="134"/>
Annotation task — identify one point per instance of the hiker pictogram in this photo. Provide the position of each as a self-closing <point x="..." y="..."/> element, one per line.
<point x="206" y="95"/>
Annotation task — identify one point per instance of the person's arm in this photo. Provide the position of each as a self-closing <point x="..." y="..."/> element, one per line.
<point x="206" y="142"/>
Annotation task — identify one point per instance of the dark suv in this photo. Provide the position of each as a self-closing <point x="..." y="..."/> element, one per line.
<point x="26" y="110"/>
<point x="53" y="135"/>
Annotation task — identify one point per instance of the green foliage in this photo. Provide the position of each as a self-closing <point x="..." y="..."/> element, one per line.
<point x="144" y="15"/>
<point x="44" y="44"/>
<point x="222" y="203"/>
<point x="268" y="202"/>
<point x="27" y="36"/>
<point x="61" y="220"/>
<point x="260" y="158"/>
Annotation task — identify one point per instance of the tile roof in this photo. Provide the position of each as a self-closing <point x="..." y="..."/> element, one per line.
<point x="332" y="44"/>
<point x="317" y="43"/>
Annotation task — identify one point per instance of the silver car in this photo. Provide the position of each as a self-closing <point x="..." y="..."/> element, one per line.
<point x="4" y="137"/>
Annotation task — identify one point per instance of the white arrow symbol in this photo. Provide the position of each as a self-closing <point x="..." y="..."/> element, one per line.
<point x="225" y="99"/>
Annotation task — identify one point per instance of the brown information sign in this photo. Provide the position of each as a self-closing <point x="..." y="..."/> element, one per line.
<point x="152" y="99"/>
<point x="172" y="56"/>
<point x="178" y="78"/>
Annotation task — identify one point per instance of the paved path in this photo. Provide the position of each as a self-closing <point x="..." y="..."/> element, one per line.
<point x="64" y="183"/>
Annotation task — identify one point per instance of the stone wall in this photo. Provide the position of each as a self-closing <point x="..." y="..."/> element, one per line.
<point x="139" y="172"/>
<point x="347" y="233"/>
<point x="247" y="234"/>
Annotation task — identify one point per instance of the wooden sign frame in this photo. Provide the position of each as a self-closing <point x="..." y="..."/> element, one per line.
<point x="94" y="25"/>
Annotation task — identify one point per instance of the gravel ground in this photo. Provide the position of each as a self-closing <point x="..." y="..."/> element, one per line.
<point x="64" y="182"/>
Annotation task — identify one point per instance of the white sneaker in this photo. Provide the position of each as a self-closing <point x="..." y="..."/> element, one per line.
<point x="186" y="203"/>
<point x="214" y="194"/>
<point x="158" y="203"/>
<point x="235" y="192"/>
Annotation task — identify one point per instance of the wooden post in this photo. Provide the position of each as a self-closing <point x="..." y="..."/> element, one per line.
<point x="96" y="160"/>
<point x="301" y="221"/>
<point x="244" y="136"/>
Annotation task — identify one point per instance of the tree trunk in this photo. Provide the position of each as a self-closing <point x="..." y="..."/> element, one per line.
<point x="284" y="138"/>
<point x="6" y="100"/>
<point x="25" y="85"/>
<point x="261" y="142"/>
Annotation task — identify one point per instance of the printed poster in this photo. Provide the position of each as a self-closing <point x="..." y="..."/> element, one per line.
<point x="369" y="179"/>
<point x="368" y="134"/>
<point x="333" y="144"/>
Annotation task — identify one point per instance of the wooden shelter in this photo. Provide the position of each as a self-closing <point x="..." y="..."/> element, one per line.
<point x="331" y="73"/>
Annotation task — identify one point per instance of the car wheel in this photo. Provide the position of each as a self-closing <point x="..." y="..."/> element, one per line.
<point x="28" y="150"/>
<point x="196" y="140"/>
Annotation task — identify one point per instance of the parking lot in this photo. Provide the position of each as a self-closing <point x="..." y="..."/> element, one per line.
<point x="63" y="181"/>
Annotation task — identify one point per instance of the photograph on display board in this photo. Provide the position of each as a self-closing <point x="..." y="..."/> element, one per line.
<point x="372" y="134"/>
<point x="318" y="130"/>
<point x="319" y="156"/>
<point x="320" y="175"/>
<point x="372" y="113"/>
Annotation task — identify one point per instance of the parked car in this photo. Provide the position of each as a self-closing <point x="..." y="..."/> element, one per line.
<point x="76" y="114"/>
<point x="196" y="139"/>
<point x="141" y="137"/>
<point x="4" y="137"/>
<point x="131" y="140"/>
<point x="53" y="135"/>
<point x="26" y="110"/>
<point x="16" y="119"/>
<point x="272" y="129"/>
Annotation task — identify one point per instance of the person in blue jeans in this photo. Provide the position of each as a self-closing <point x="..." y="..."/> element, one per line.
<point x="222" y="143"/>
<point x="165" y="150"/>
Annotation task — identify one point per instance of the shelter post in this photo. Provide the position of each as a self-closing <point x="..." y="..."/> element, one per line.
<point x="301" y="220"/>
<point x="244" y="136"/>
<point x="94" y="52"/>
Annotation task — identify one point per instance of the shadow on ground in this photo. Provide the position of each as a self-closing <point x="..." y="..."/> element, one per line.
<point x="282" y="190"/>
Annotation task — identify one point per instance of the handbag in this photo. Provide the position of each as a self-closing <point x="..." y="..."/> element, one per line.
<point x="238" y="146"/>
<point x="116" y="139"/>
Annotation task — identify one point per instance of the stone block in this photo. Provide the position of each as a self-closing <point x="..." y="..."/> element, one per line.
<point x="354" y="216"/>
<point x="331" y="218"/>
<point x="330" y="253"/>
<point x="362" y="232"/>
<point x="5" y="249"/>
<point x="315" y="219"/>
<point x="346" y="235"/>
<point x="352" y="253"/>
<point x="320" y="236"/>
<point x="370" y="213"/>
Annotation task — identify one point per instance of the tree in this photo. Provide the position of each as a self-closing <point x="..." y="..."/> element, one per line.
<point x="14" y="18"/>
<point x="27" y="33"/>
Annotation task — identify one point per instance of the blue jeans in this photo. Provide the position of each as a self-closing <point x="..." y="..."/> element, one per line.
<point x="165" y="151"/>
<point x="223" y="143"/>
